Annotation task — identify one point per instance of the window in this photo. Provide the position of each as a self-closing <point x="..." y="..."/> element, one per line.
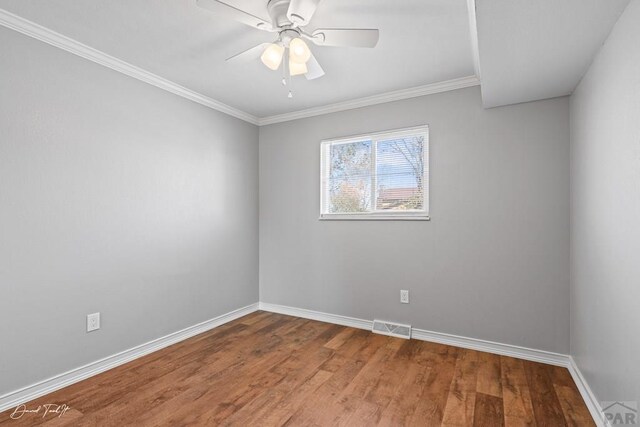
<point x="377" y="176"/>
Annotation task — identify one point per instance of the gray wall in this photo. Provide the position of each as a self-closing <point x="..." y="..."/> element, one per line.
<point x="605" y="215"/>
<point x="491" y="264"/>
<point x="116" y="197"/>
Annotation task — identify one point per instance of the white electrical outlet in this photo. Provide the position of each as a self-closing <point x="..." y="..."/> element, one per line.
<point x="93" y="322"/>
<point x="404" y="297"/>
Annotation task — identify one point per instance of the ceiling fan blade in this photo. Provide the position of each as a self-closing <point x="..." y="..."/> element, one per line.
<point x="301" y="11"/>
<point x="249" y="54"/>
<point x="349" y="37"/>
<point x="314" y="70"/>
<point x="230" y="12"/>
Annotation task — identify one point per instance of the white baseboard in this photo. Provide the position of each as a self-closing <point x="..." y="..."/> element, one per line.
<point x="57" y="382"/>
<point x="525" y="353"/>
<point x="424" y="335"/>
<point x="587" y="394"/>
<point x="317" y="315"/>
<point x="541" y="356"/>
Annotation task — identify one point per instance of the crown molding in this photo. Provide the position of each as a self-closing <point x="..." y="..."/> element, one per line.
<point x="31" y="29"/>
<point x="473" y="27"/>
<point x="46" y="35"/>
<point x="382" y="98"/>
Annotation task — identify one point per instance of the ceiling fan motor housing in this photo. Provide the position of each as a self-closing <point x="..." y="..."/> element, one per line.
<point x="278" y="12"/>
<point x="287" y="35"/>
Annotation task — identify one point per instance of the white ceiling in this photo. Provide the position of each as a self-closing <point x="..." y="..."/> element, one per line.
<point x="539" y="49"/>
<point x="421" y="42"/>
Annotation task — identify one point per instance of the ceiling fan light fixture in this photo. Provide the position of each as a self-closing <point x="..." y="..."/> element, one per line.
<point x="289" y="19"/>
<point x="295" y="69"/>
<point x="299" y="51"/>
<point x="272" y="56"/>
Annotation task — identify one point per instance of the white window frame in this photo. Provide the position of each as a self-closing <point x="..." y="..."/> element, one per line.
<point x="422" y="214"/>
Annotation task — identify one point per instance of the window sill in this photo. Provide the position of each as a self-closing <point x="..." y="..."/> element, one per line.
<point x="375" y="217"/>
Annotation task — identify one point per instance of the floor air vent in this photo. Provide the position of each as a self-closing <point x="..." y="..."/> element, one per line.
<point x="392" y="329"/>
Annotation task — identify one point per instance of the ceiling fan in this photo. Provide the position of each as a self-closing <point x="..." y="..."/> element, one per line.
<point x="289" y="19"/>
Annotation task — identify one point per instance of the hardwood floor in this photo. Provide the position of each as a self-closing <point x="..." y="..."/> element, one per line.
<point x="269" y="370"/>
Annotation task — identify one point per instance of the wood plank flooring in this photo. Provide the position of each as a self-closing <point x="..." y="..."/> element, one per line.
<point x="267" y="369"/>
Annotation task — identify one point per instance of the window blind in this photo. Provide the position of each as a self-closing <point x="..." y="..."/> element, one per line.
<point x="377" y="175"/>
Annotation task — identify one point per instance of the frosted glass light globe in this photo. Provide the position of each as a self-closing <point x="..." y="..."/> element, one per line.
<point x="299" y="51"/>
<point x="272" y="56"/>
<point x="296" y="69"/>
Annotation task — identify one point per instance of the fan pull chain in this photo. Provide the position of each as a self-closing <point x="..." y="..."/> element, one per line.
<point x="284" y="73"/>
<point x="290" y="94"/>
